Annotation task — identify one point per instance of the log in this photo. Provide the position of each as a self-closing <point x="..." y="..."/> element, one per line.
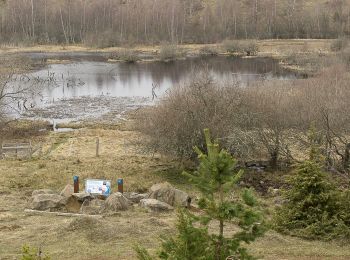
<point x="60" y="214"/>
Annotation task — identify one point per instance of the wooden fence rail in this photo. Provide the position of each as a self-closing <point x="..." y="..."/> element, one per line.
<point x="22" y="146"/>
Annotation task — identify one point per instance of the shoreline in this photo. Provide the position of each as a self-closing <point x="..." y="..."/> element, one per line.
<point x="275" y="49"/>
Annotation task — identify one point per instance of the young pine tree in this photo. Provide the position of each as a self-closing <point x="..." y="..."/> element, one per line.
<point x="215" y="178"/>
<point x="313" y="207"/>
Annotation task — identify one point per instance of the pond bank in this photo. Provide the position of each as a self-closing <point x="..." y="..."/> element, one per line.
<point x="277" y="49"/>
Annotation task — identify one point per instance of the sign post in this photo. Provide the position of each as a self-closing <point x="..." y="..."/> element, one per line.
<point x="76" y="184"/>
<point x="120" y="185"/>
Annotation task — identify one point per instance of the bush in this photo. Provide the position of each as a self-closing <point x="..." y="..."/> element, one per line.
<point x="339" y="44"/>
<point x="168" y="52"/>
<point x="235" y="46"/>
<point x="314" y="207"/>
<point x="209" y="51"/>
<point x="174" y="126"/>
<point x="126" y="55"/>
<point x="31" y="253"/>
<point x="232" y="46"/>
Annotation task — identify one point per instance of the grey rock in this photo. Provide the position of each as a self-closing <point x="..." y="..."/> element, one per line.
<point x="155" y="205"/>
<point x="116" y="202"/>
<point x="67" y="191"/>
<point x="135" y="197"/>
<point x="50" y="202"/>
<point x="42" y="191"/>
<point x="82" y="196"/>
<point x="181" y="199"/>
<point x="166" y="193"/>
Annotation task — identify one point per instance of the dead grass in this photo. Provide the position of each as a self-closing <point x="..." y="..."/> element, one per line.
<point x="113" y="237"/>
<point x="266" y="47"/>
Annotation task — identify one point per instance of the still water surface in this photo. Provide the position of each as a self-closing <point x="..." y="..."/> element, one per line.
<point x="91" y="78"/>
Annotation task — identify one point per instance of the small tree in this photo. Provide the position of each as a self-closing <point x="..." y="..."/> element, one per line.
<point x="214" y="178"/>
<point x="313" y="207"/>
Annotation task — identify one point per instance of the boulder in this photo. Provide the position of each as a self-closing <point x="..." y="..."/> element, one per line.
<point x="135" y="197"/>
<point x="116" y="202"/>
<point x="42" y="191"/>
<point x="92" y="207"/>
<point x="155" y="205"/>
<point x="51" y="202"/>
<point x="181" y="199"/>
<point x="73" y="205"/>
<point x="67" y="191"/>
<point x="166" y="193"/>
<point x="82" y="196"/>
<point x="76" y="200"/>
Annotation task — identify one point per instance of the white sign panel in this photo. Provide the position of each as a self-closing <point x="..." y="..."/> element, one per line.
<point x="100" y="187"/>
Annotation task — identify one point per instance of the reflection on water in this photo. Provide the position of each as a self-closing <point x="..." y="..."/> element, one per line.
<point x="91" y="78"/>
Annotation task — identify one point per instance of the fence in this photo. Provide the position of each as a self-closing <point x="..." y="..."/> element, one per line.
<point x="17" y="148"/>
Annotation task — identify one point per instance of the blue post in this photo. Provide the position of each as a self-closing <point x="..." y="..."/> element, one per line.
<point x="76" y="184"/>
<point x="120" y="185"/>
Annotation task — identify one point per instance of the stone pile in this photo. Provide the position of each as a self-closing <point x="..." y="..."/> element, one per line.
<point x="161" y="197"/>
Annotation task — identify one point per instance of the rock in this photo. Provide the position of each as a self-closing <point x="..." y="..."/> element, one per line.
<point x="166" y="193"/>
<point x="42" y="191"/>
<point x="73" y="205"/>
<point x="76" y="200"/>
<point x="92" y="207"/>
<point x="116" y="202"/>
<point x="181" y="199"/>
<point x="135" y="197"/>
<point x="155" y="205"/>
<point x="50" y="202"/>
<point x="67" y="191"/>
<point x="82" y="196"/>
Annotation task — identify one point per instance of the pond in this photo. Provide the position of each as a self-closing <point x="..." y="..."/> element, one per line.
<point x="89" y="88"/>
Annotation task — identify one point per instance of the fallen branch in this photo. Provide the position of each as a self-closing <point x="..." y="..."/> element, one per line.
<point x="61" y="214"/>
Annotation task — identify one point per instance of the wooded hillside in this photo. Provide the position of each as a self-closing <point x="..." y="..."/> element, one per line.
<point x="103" y="23"/>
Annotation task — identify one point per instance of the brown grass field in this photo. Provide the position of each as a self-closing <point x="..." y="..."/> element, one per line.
<point x="63" y="155"/>
<point x="112" y="237"/>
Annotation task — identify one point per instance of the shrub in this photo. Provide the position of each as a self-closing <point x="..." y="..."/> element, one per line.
<point x="235" y="46"/>
<point x="232" y="46"/>
<point x="209" y="51"/>
<point x="175" y="124"/>
<point x="126" y="55"/>
<point x="190" y="242"/>
<point x="314" y="206"/>
<point x="31" y="253"/>
<point x="168" y="52"/>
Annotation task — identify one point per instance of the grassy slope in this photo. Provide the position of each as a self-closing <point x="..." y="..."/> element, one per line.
<point x="71" y="154"/>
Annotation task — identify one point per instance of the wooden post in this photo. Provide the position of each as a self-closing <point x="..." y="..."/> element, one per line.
<point x="97" y="146"/>
<point x="76" y="184"/>
<point x="30" y="150"/>
<point x="120" y="185"/>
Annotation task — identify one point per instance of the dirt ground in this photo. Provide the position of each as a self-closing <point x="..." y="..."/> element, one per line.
<point x="64" y="155"/>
